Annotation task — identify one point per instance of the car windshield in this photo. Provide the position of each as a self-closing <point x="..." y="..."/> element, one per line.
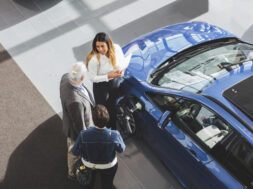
<point x="195" y="73"/>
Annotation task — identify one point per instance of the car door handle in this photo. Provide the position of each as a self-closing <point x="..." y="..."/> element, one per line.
<point x="192" y="152"/>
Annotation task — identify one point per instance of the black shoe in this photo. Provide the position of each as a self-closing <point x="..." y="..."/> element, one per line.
<point x="72" y="178"/>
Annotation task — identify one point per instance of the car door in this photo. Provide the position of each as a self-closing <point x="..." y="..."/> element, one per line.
<point x="183" y="140"/>
<point x="235" y="154"/>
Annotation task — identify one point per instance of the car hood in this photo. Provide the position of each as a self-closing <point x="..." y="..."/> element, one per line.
<point x="152" y="49"/>
<point x="234" y="89"/>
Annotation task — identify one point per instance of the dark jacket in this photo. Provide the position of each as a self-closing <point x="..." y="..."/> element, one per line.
<point x="98" y="146"/>
<point x="76" y="108"/>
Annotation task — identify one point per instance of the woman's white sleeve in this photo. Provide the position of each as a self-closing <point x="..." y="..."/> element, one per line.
<point x="121" y="60"/>
<point x="93" y="72"/>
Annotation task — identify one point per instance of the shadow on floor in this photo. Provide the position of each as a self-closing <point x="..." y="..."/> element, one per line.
<point x="147" y="168"/>
<point x="176" y="12"/>
<point x="37" y="5"/>
<point x="13" y="12"/>
<point x="40" y="160"/>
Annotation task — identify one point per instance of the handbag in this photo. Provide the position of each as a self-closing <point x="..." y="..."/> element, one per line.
<point x="83" y="174"/>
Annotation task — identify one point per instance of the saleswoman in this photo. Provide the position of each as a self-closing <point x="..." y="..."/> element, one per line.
<point x="106" y="63"/>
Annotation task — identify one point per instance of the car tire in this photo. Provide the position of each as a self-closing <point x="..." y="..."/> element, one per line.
<point x="125" y="122"/>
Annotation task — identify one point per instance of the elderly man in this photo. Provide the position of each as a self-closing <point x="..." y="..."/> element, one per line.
<point x="77" y="103"/>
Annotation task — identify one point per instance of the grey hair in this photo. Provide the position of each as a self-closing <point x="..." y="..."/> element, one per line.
<point x="78" y="70"/>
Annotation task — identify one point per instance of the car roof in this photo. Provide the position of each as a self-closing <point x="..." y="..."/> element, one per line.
<point x="152" y="49"/>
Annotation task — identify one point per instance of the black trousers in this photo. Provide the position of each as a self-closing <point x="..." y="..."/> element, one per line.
<point x="106" y="175"/>
<point x="106" y="93"/>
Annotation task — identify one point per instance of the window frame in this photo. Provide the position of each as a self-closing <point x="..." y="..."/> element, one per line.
<point x="183" y="126"/>
<point x="235" y="140"/>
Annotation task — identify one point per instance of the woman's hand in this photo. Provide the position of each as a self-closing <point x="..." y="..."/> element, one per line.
<point x="115" y="74"/>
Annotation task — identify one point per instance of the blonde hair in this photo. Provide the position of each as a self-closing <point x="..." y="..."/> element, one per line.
<point x="102" y="37"/>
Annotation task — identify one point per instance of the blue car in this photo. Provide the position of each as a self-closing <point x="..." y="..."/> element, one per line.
<point x="189" y="91"/>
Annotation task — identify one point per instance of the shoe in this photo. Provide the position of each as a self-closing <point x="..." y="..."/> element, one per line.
<point x="72" y="178"/>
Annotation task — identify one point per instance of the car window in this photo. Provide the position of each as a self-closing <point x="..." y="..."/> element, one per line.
<point x="198" y="71"/>
<point x="235" y="154"/>
<point x="203" y="123"/>
<point x="199" y="120"/>
<point x="165" y="102"/>
<point x="240" y="162"/>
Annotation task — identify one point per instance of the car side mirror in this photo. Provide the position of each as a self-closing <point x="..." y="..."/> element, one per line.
<point x="164" y="119"/>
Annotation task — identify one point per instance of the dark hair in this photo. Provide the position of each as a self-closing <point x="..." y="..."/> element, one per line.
<point x="100" y="116"/>
<point x="102" y="37"/>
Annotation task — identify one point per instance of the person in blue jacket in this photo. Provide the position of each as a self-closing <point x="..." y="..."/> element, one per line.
<point x="98" y="147"/>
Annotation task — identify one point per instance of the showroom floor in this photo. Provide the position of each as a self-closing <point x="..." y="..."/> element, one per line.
<point x="40" y="40"/>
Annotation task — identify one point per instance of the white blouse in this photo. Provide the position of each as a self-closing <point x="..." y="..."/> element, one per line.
<point x="99" y="73"/>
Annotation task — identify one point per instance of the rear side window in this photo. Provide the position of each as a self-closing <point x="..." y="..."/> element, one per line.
<point x="240" y="162"/>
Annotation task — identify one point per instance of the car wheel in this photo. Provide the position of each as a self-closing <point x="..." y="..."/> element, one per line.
<point x="125" y="122"/>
